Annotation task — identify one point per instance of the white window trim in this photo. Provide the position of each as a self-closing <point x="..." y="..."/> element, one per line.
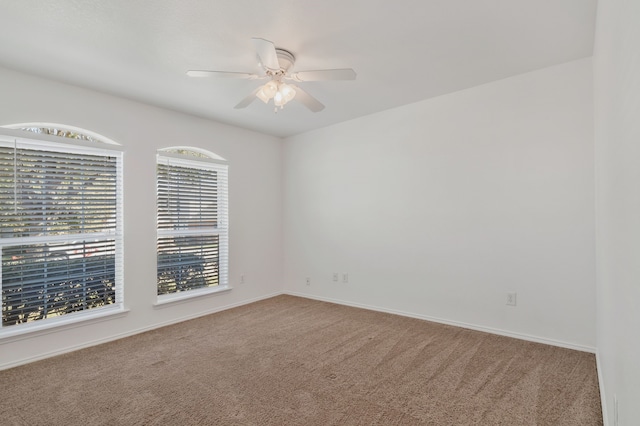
<point x="62" y="323"/>
<point x="185" y="296"/>
<point x="44" y="142"/>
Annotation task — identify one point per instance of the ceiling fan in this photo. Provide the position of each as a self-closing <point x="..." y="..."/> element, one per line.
<point x="276" y="65"/>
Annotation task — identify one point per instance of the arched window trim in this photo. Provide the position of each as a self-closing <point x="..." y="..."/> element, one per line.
<point x="52" y="130"/>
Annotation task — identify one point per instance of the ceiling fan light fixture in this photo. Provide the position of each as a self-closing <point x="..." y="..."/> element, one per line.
<point x="288" y="92"/>
<point x="280" y="92"/>
<point x="270" y="88"/>
<point x="279" y="100"/>
<point x="262" y="95"/>
<point x="267" y="91"/>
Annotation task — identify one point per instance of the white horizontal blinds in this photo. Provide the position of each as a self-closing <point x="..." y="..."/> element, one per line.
<point x="187" y="197"/>
<point x="60" y="229"/>
<point x="53" y="193"/>
<point x="192" y="224"/>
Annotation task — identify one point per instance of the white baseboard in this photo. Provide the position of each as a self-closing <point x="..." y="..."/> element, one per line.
<point x="521" y="336"/>
<point x="111" y="338"/>
<point x="603" y="398"/>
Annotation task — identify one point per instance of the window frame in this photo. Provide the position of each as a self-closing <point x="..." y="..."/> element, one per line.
<point x="44" y="142"/>
<point x="167" y="157"/>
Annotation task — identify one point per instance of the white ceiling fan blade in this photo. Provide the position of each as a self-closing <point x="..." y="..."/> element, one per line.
<point x="267" y="53"/>
<point x="307" y="100"/>
<point x="321" y="75"/>
<point x="247" y="101"/>
<point x="220" y="74"/>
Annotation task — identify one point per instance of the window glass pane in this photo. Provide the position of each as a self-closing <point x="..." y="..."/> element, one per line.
<point x="188" y="152"/>
<point x="65" y="133"/>
<point x="186" y="263"/>
<point x="47" y="280"/>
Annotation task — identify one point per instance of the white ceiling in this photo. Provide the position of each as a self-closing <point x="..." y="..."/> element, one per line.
<point x="403" y="51"/>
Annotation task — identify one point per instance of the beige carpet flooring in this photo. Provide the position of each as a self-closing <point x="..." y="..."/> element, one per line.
<point x="293" y="361"/>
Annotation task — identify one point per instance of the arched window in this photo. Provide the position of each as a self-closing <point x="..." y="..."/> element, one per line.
<point x="62" y="130"/>
<point x="60" y="228"/>
<point x="192" y="222"/>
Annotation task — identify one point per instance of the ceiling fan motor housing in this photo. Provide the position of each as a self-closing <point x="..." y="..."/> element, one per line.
<point x="285" y="59"/>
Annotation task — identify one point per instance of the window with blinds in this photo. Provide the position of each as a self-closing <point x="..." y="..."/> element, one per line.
<point x="60" y="239"/>
<point x="192" y="223"/>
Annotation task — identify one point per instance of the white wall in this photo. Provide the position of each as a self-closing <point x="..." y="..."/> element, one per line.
<point x="617" y="100"/>
<point x="439" y="208"/>
<point x="255" y="202"/>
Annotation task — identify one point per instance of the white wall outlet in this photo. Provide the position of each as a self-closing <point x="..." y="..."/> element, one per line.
<point x="335" y="277"/>
<point x="345" y="277"/>
<point x="308" y="281"/>
<point x="241" y="278"/>
<point x="511" y="299"/>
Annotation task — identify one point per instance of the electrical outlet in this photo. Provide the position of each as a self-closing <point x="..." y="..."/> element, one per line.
<point x="335" y="277"/>
<point x="241" y="278"/>
<point x="308" y="281"/>
<point x="511" y="299"/>
<point x="345" y="277"/>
